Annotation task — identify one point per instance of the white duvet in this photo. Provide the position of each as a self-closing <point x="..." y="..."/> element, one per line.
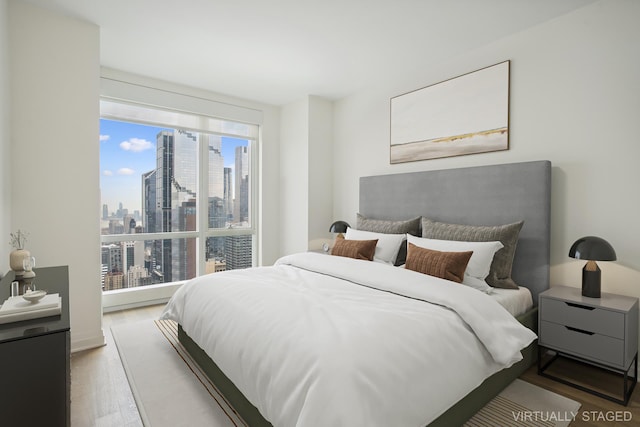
<point x="321" y="340"/>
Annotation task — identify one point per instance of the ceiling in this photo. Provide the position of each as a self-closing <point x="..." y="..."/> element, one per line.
<point x="278" y="51"/>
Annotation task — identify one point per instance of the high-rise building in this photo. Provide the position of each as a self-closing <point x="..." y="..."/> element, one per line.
<point x="136" y="276"/>
<point x="216" y="165"/>
<point x="105" y="211"/>
<point x="241" y="193"/>
<point x="103" y="272"/>
<point x="228" y="193"/>
<point x="128" y="224"/>
<point x="237" y="250"/>
<point x="176" y="183"/>
<point x="184" y="251"/>
<point x="113" y="281"/>
<point x="112" y="258"/>
<point x="149" y="201"/>
<point x="217" y="219"/>
<point x="217" y="185"/>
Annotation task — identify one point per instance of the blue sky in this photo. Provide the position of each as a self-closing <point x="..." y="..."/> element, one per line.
<point x="127" y="150"/>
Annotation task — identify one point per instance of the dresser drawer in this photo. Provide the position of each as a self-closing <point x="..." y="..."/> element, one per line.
<point x="592" y="319"/>
<point x="592" y="346"/>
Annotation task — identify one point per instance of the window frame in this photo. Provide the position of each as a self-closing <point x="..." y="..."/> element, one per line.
<point x="147" y="97"/>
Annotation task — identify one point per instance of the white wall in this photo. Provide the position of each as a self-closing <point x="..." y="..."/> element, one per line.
<point x="305" y="174"/>
<point x="270" y="193"/>
<point x="5" y="153"/>
<point x="320" y="171"/>
<point x="294" y="176"/>
<point x="54" y="71"/>
<point x="574" y="101"/>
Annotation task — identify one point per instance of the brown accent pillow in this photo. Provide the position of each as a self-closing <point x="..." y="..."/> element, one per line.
<point x="358" y="249"/>
<point x="445" y="265"/>
<point x="500" y="272"/>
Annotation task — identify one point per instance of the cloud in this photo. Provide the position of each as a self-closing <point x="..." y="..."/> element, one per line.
<point x="107" y="172"/>
<point x="136" y="145"/>
<point x="104" y="138"/>
<point x="126" y="171"/>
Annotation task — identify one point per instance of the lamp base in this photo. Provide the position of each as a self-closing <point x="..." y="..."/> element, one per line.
<point x="591" y="280"/>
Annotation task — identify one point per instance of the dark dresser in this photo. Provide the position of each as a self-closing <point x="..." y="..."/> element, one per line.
<point x="35" y="359"/>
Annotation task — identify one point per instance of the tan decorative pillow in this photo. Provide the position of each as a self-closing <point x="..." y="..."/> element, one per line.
<point x="358" y="249"/>
<point x="445" y="265"/>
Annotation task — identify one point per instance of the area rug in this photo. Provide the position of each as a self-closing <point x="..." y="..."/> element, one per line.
<point x="171" y="390"/>
<point x="527" y="405"/>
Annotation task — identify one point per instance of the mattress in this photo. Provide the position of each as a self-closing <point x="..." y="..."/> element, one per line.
<point x="515" y="301"/>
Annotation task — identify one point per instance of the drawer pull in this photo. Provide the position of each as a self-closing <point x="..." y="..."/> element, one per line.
<point x="584" y="307"/>
<point x="579" y="330"/>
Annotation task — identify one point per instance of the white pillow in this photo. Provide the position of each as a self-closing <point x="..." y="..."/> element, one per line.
<point x="387" y="247"/>
<point x="479" y="264"/>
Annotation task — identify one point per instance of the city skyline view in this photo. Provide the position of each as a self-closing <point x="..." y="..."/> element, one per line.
<point x="127" y="151"/>
<point x="150" y="179"/>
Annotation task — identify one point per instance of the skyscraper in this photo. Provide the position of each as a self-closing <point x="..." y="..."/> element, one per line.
<point x="112" y="258"/>
<point x="237" y="250"/>
<point x="216" y="165"/>
<point x="149" y="201"/>
<point x="176" y="178"/>
<point x="241" y="200"/>
<point x="228" y="193"/>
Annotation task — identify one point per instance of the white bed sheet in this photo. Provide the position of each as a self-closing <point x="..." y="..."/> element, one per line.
<point x="318" y="340"/>
<point x="515" y="301"/>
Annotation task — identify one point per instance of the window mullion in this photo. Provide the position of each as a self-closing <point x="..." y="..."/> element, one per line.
<point x="115" y="238"/>
<point x="203" y="204"/>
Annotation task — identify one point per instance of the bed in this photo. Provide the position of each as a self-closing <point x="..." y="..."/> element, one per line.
<point x="445" y="378"/>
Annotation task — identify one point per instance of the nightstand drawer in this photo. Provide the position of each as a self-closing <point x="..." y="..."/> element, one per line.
<point x="589" y="345"/>
<point x="592" y="319"/>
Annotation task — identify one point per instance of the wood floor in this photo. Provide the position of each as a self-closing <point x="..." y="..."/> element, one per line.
<point x="594" y="411"/>
<point x="100" y="393"/>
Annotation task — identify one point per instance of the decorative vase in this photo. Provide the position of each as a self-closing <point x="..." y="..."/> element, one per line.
<point x="15" y="260"/>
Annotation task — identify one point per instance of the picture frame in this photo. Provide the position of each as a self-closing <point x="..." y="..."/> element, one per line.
<point x="467" y="114"/>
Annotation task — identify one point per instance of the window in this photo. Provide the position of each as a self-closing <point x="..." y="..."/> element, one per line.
<point x="177" y="193"/>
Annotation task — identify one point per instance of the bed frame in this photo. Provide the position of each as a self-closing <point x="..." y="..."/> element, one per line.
<point x="484" y="195"/>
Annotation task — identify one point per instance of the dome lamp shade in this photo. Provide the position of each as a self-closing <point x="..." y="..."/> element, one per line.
<point x="592" y="249"/>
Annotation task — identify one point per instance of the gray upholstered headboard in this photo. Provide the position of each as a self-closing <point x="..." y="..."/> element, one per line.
<point x="483" y="195"/>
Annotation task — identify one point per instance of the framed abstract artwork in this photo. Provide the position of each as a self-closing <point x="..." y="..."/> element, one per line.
<point x="467" y="114"/>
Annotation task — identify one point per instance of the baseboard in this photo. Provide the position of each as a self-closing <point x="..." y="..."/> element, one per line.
<point x="123" y="299"/>
<point x="88" y="342"/>
<point x="137" y="304"/>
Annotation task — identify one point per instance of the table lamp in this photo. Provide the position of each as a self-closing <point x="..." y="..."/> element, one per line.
<point x="339" y="227"/>
<point x="592" y="249"/>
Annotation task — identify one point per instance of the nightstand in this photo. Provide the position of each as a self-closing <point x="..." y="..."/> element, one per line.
<point x="602" y="332"/>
